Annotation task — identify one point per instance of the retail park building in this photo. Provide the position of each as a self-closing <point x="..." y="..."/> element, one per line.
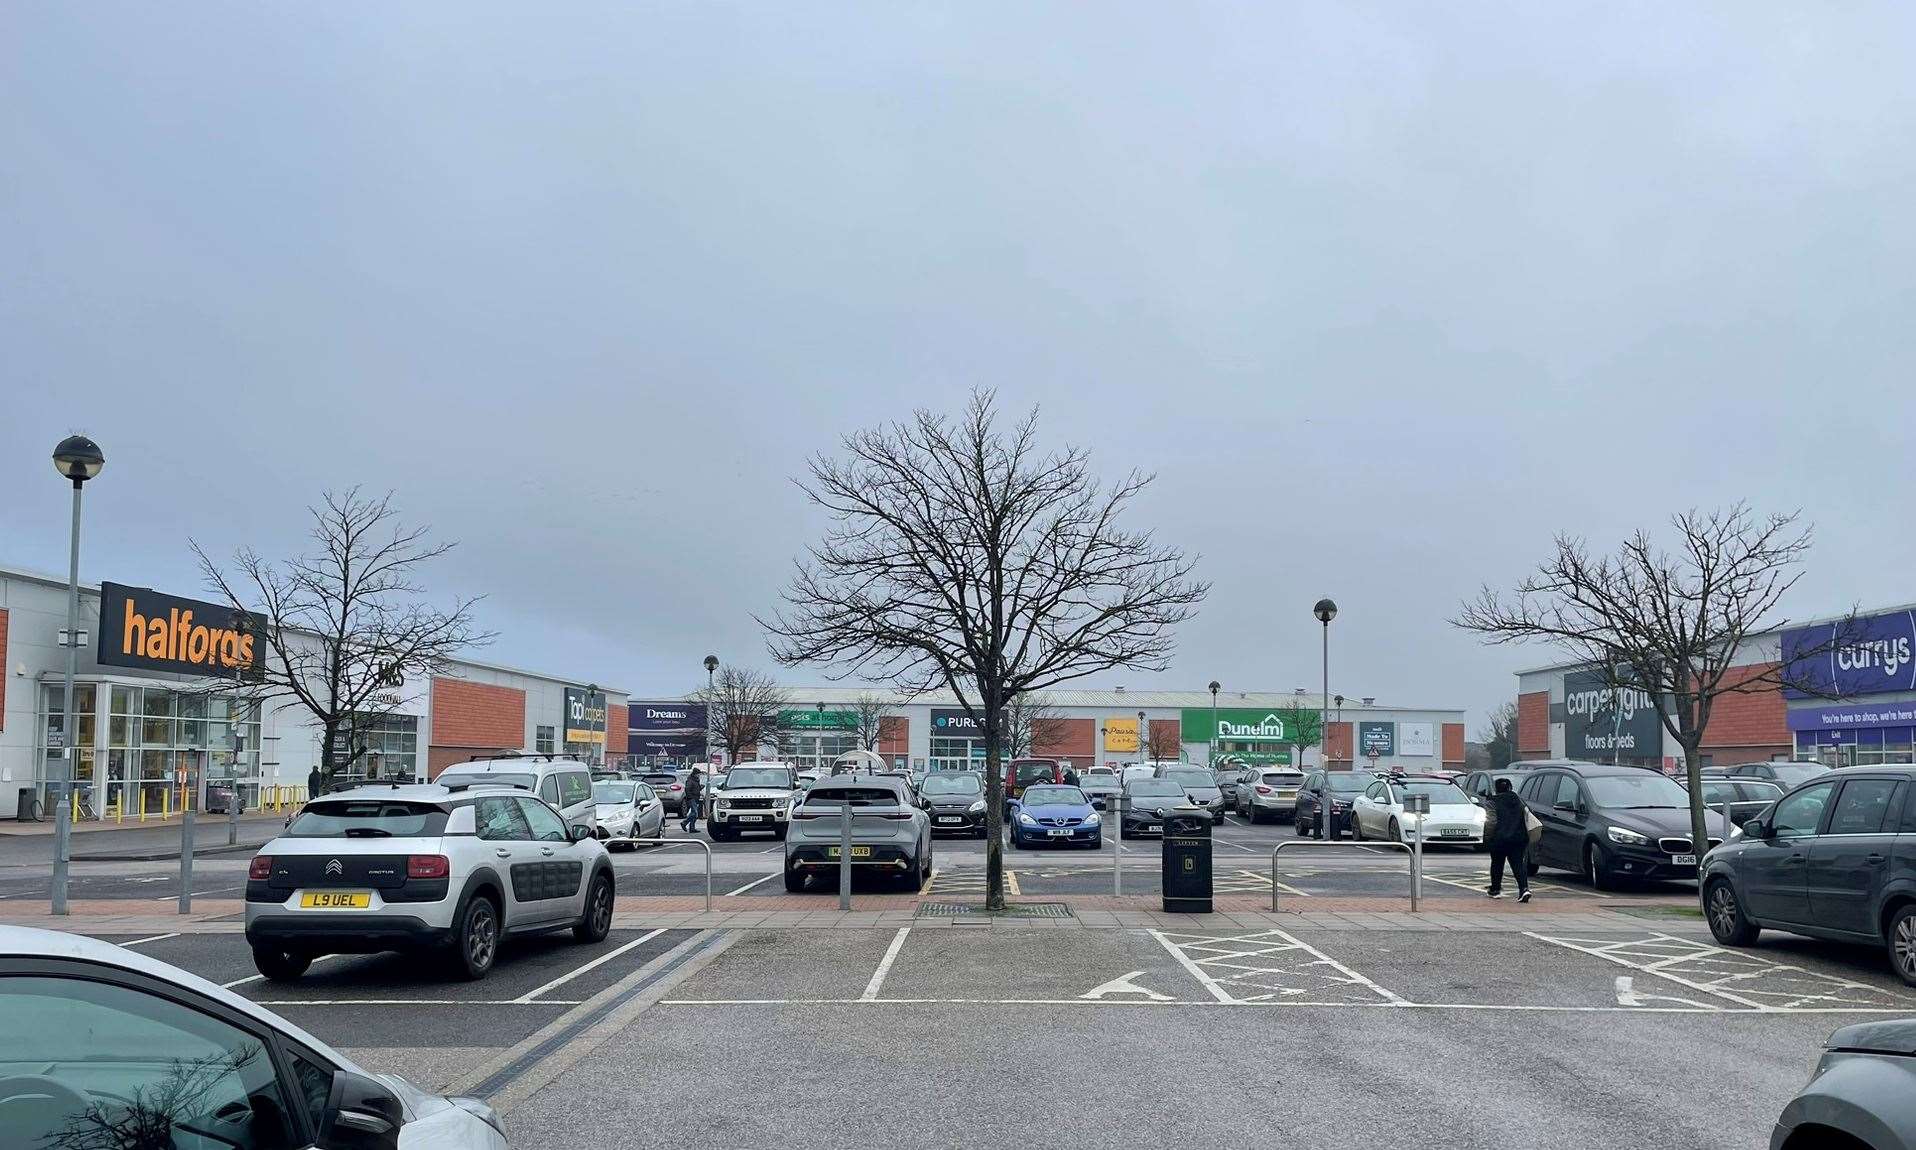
<point x="1839" y="691"/>
<point x="1088" y="727"/>
<point x="155" y="706"/>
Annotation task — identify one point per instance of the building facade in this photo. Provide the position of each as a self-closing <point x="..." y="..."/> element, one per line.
<point x="1835" y="691"/>
<point x="1089" y="728"/>
<point x="161" y="708"/>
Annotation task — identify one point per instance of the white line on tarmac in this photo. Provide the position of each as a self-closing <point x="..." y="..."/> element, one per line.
<point x="753" y="883"/>
<point x="1603" y="952"/>
<point x="884" y="964"/>
<point x="154" y="938"/>
<point x="257" y="977"/>
<point x="1192" y="968"/>
<point x="1327" y="960"/>
<point x="197" y="893"/>
<point x="773" y="847"/>
<point x="529" y="995"/>
<point x="1234" y="1003"/>
<point x="284" y="1002"/>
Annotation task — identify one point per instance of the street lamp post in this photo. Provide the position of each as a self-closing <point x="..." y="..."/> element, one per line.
<point x="1144" y="744"/>
<point x="78" y="459"/>
<point x="1325" y="610"/>
<point x="1214" y="688"/>
<point x="711" y="666"/>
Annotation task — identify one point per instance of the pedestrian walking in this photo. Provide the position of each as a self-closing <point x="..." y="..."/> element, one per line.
<point x="694" y="797"/>
<point x="1071" y="777"/>
<point x="1509" y="841"/>
<point x="313" y="784"/>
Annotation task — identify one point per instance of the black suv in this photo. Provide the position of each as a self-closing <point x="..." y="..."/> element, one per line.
<point x="1612" y="824"/>
<point x="1835" y="858"/>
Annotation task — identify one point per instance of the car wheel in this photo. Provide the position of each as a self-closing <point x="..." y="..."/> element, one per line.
<point x="280" y="965"/>
<point x="1901" y="939"/>
<point x="1534" y="866"/>
<point x="1299" y="827"/>
<point x="924" y="870"/>
<point x="1596" y="868"/>
<point x="1725" y="912"/>
<point x="794" y="881"/>
<point x="1396" y="832"/>
<point x="597" y="921"/>
<point x="476" y="943"/>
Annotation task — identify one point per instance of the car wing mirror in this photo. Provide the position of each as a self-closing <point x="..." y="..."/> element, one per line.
<point x="360" y="1114"/>
<point x="1564" y="805"/>
<point x="577" y="833"/>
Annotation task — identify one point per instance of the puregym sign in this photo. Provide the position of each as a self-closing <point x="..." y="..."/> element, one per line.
<point x="1236" y="725"/>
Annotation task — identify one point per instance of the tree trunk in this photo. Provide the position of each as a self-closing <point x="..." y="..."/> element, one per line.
<point x="994" y="808"/>
<point x="329" y="738"/>
<point x="1693" y="770"/>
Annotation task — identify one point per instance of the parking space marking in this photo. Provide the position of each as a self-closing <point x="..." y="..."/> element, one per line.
<point x="151" y="938"/>
<point x="531" y="995"/>
<point x="753" y="883"/>
<point x="884" y="964"/>
<point x="251" y="978"/>
<point x="1747" y="979"/>
<point x="1125" y="984"/>
<point x="1270" y="964"/>
<point x="1480" y="884"/>
<point x="288" y="1002"/>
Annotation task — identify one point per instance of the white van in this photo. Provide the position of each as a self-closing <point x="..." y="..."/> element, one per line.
<point x="565" y="784"/>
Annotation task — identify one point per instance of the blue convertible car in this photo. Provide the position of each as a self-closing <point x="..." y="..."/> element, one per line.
<point x="1050" y="814"/>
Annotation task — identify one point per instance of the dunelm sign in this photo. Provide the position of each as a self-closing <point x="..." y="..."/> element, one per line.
<point x="1236" y="725"/>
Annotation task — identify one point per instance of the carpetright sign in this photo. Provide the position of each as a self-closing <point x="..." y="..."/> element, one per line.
<point x="1600" y="721"/>
<point x="1235" y="725"/>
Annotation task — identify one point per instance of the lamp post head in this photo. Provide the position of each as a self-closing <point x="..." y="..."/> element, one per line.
<point x="78" y="458"/>
<point x="1214" y="689"/>
<point x="1325" y="610"/>
<point x="1340" y="700"/>
<point x="711" y="663"/>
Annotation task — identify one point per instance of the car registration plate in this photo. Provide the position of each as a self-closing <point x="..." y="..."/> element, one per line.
<point x="1683" y="860"/>
<point x="749" y="818"/>
<point x="1153" y="826"/>
<point x="1059" y="834"/>
<point x="946" y="820"/>
<point x="857" y="852"/>
<point x="1453" y="833"/>
<point x="336" y="900"/>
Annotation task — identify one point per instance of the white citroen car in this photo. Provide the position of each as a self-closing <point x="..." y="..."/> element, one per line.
<point x="1379" y="812"/>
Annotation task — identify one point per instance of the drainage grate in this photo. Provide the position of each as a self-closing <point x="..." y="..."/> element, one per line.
<point x="1012" y="910"/>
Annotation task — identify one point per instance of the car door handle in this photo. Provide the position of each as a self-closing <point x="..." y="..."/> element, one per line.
<point x="546" y="851"/>
<point x="502" y="852"/>
<point x="1872" y="859"/>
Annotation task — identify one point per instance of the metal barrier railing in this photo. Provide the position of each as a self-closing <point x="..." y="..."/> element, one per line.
<point x="699" y="843"/>
<point x="1416" y="862"/>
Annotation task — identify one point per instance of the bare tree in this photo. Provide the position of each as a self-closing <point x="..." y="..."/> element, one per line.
<point x="1164" y="743"/>
<point x="962" y="556"/>
<point x="1667" y="625"/>
<point x="871" y="710"/>
<point x="1500" y="735"/>
<point x="346" y="625"/>
<point x="1303" y="728"/>
<point x="1029" y="721"/>
<point x="741" y="710"/>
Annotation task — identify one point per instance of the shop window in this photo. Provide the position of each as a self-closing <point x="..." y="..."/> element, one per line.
<point x="543" y="739"/>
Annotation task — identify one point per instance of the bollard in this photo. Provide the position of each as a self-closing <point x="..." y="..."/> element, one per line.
<point x="1117" y="849"/>
<point x="844" y="854"/>
<point x="186" y="856"/>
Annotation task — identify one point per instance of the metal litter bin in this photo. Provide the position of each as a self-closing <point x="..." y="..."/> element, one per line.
<point x="1187" y="861"/>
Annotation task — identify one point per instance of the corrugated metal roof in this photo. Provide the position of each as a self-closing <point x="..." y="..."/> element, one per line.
<point x="839" y="695"/>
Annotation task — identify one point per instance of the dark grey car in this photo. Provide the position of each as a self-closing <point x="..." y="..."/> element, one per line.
<point x="1835" y="858"/>
<point x="1863" y="1093"/>
<point x="955" y="800"/>
<point x="1614" y="824"/>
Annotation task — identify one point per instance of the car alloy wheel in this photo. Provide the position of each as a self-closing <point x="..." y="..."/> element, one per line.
<point x="1902" y="944"/>
<point x="598" y="912"/>
<point x="481" y="937"/>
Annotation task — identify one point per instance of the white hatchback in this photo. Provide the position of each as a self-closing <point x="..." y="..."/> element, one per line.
<point x="1379" y="812"/>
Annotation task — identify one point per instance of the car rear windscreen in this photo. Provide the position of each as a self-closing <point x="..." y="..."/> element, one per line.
<point x="368" y="818"/>
<point x="853" y="796"/>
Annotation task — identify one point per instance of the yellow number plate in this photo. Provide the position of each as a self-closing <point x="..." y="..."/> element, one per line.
<point x="857" y="852"/>
<point x="337" y="899"/>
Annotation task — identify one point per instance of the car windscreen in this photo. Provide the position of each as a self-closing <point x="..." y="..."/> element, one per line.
<point x="611" y="792"/>
<point x="1790" y="774"/>
<point x="1190" y="777"/>
<point x="1645" y="790"/>
<point x="1032" y="772"/>
<point x="951" y="784"/>
<point x="742" y="777"/>
<point x="1100" y="776"/>
<point x="1282" y="778"/>
<point x="1042" y="796"/>
<point x="367" y="818"/>
<point x="1348" y="782"/>
<point x="459" y="778"/>
<point x="661" y="778"/>
<point x="1155" y="789"/>
<point x="823" y="796"/>
<point x="1440" y="793"/>
<point x="1759" y="791"/>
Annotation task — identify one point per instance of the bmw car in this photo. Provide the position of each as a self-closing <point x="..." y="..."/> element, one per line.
<point x="1054" y="815"/>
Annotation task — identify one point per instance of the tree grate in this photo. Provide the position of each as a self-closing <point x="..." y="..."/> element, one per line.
<point x="977" y="909"/>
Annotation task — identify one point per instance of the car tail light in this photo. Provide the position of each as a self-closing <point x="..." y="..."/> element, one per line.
<point x="677" y="787"/>
<point x="260" y="868"/>
<point x="802" y="813"/>
<point x="1263" y="790"/>
<point x="894" y="814"/>
<point x="427" y="866"/>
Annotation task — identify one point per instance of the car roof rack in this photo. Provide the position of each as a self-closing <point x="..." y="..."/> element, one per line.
<point x="548" y="756"/>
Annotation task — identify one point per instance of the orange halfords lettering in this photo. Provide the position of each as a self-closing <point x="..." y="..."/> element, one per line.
<point x="174" y="638"/>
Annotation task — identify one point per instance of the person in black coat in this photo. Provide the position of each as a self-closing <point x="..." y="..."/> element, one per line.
<point x="1509" y="841"/>
<point x="1071" y="778"/>
<point x="689" y="806"/>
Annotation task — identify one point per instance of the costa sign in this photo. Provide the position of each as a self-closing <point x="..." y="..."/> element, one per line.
<point x="142" y="628"/>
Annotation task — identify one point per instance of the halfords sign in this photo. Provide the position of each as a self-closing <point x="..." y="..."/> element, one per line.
<point x="1599" y="719"/>
<point x="1236" y="725"/>
<point x="1874" y="655"/>
<point x="155" y="632"/>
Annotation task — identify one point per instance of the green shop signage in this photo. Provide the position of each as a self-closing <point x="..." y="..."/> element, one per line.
<point x="1235" y="725"/>
<point x="794" y="720"/>
<point x="1255" y="758"/>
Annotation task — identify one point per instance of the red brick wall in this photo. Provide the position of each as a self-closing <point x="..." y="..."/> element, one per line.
<point x="1337" y="742"/>
<point x="1165" y="740"/>
<point x="466" y="714"/>
<point x="1074" y="739"/>
<point x="615" y="729"/>
<point x="1533" y="724"/>
<point x="3" y="668"/>
<point x="1753" y="720"/>
<point x="1453" y="744"/>
<point x="894" y="735"/>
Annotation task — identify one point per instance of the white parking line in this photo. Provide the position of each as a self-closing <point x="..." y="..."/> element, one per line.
<point x="257" y="977"/>
<point x="884" y="965"/>
<point x="285" y="1002"/>
<point x="1192" y="968"/>
<point x="753" y="883"/>
<point x="151" y="938"/>
<point x="773" y="847"/>
<point x="608" y="956"/>
<point x="1378" y="1004"/>
<point x="197" y="893"/>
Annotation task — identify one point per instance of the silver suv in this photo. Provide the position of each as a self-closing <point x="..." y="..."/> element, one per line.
<point x="890" y="835"/>
<point x="423" y="867"/>
<point x="752" y="797"/>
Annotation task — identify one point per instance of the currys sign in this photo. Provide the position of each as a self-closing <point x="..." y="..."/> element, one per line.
<point x="1871" y="655"/>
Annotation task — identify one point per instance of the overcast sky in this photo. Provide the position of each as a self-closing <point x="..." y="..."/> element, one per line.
<point x="1386" y="294"/>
